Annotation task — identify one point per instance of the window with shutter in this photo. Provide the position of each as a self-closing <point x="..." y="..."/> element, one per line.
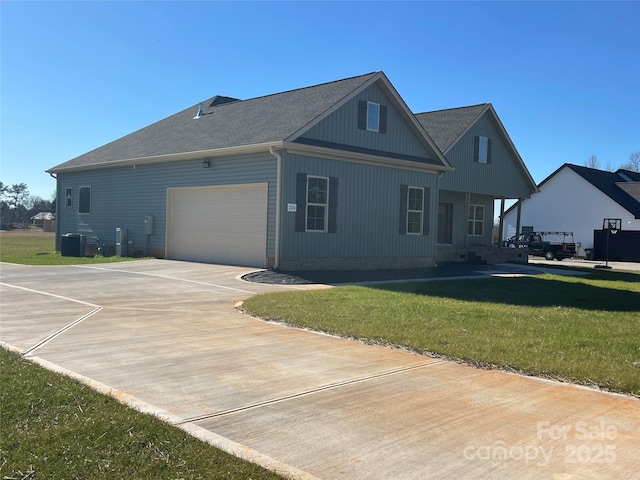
<point x="317" y="203"/>
<point x="316" y="199"/>
<point x="372" y="117"/>
<point x="414" y="210"/>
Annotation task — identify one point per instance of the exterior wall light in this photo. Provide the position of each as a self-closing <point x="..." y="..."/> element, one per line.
<point x="206" y="163"/>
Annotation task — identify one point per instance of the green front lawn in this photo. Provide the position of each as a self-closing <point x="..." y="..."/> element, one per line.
<point x="580" y="329"/>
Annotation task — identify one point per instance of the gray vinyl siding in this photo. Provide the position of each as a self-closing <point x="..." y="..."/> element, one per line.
<point x="368" y="211"/>
<point x="341" y="127"/>
<point x="501" y="177"/>
<point x="122" y="197"/>
<point x="460" y="218"/>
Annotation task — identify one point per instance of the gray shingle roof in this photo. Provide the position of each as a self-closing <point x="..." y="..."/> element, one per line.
<point x="631" y="188"/>
<point x="446" y="126"/>
<point x="226" y="122"/>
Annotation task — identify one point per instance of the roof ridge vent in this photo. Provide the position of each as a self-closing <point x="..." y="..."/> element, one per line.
<point x="200" y="112"/>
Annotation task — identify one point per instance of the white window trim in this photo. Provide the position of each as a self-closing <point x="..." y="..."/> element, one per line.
<point x="409" y="210"/>
<point x="90" y="200"/>
<point x="68" y="197"/>
<point x="325" y="205"/>
<point x="474" y="220"/>
<point x="482" y="160"/>
<point x="377" y="127"/>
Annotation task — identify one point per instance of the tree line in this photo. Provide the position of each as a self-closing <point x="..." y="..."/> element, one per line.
<point x="17" y="206"/>
<point x="633" y="164"/>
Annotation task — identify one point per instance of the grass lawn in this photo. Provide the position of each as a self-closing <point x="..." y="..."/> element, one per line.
<point x="55" y="427"/>
<point x="35" y="247"/>
<point x="580" y="329"/>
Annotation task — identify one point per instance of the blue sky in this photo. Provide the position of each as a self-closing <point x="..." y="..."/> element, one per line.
<point x="564" y="77"/>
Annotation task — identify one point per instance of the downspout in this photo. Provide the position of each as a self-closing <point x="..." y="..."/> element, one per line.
<point x="57" y="242"/>
<point x="276" y="261"/>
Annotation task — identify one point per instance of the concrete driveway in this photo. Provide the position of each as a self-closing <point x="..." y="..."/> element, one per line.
<point x="165" y="337"/>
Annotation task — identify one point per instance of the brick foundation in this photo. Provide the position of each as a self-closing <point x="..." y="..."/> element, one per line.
<point x="355" y="263"/>
<point x="490" y="255"/>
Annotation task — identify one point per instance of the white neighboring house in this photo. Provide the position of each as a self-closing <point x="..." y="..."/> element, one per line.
<point x="42" y="216"/>
<point x="577" y="199"/>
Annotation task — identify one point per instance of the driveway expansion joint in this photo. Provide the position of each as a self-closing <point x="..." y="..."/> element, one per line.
<point x="47" y="339"/>
<point x="311" y="391"/>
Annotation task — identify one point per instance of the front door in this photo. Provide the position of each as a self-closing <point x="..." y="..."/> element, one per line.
<point x="445" y="223"/>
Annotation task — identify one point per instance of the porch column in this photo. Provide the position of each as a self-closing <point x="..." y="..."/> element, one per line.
<point x="518" y="221"/>
<point x="501" y="224"/>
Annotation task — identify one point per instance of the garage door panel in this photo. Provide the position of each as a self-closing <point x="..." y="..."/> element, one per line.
<point x="223" y="224"/>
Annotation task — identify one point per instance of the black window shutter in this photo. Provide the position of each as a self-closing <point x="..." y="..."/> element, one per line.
<point x="404" y="192"/>
<point x="476" y="148"/>
<point x="362" y="115"/>
<point x="426" y="214"/>
<point x="488" y="150"/>
<point x="383" y="119"/>
<point x="333" y="204"/>
<point x="301" y="202"/>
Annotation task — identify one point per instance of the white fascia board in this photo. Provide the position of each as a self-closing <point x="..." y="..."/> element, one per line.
<point x="174" y="157"/>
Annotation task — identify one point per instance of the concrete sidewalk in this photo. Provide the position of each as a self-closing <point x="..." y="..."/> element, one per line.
<point x="165" y="337"/>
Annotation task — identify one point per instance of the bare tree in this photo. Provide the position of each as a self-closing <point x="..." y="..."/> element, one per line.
<point x="592" y="162"/>
<point x="634" y="162"/>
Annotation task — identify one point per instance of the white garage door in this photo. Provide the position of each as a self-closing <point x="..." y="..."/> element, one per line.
<point x="224" y="224"/>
